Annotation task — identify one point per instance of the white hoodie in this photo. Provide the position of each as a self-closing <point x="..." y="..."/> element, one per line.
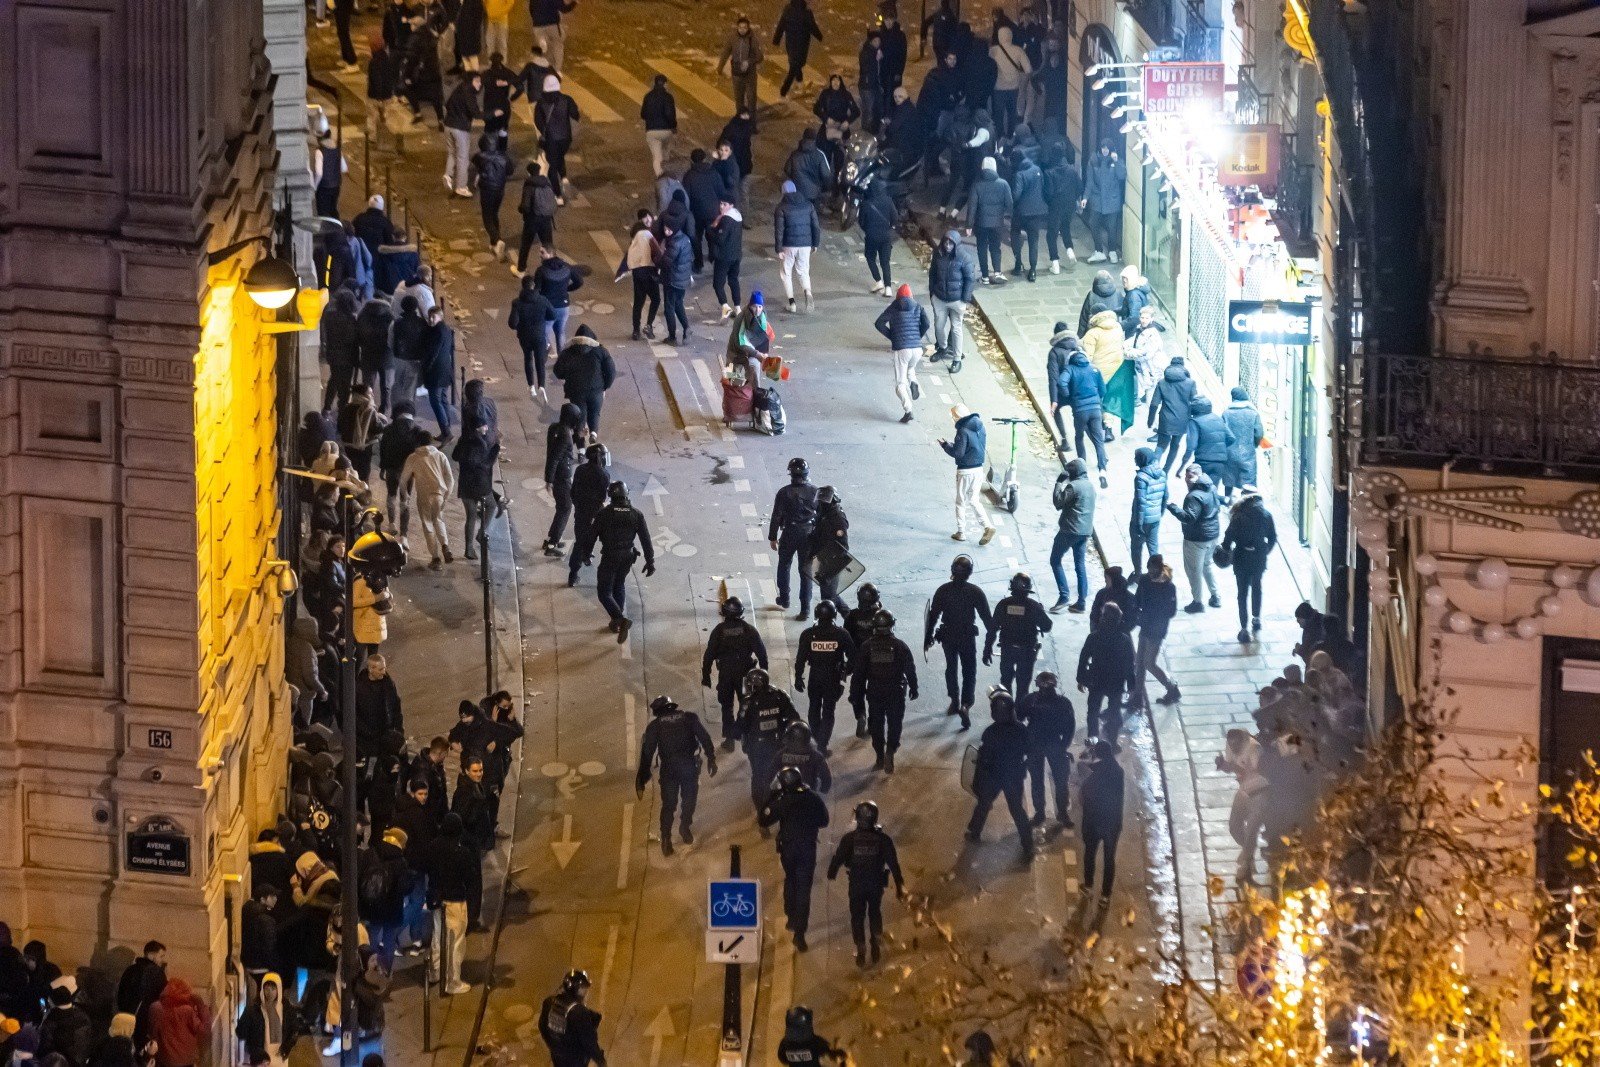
<point x="1012" y="61"/>
<point x="428" y="472"/>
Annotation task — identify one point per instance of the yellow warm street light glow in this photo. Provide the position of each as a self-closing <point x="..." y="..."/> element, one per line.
<point x="271" y="283"/>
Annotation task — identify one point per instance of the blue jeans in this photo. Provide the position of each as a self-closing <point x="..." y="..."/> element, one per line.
<point x="558" y="327"/>
<point x="385" y="940"/>
<point x="1146" y="537"/>
<point x="417" y="921"/>
<point x="1078" y="544"/>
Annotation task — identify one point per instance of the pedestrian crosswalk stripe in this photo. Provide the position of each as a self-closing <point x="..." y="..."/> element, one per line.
<point x="619" y="79"/>
<point x="707" y="94"/>
<point x="610" y="248"/>
<point x="590" y="106"/>
<point x="767" y="90"/>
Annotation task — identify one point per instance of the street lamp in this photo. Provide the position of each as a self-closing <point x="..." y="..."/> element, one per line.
<point x="271" y="283"/>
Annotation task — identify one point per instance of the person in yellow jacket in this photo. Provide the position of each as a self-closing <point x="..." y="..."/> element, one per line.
<point x="1103" y="344"/>
<point x="497" y="27"/>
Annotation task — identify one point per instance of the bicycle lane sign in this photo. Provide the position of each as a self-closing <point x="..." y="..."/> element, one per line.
<point x="733" y="904"/>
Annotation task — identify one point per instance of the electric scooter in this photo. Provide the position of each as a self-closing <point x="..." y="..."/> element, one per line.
<point x="1006" y="486"/>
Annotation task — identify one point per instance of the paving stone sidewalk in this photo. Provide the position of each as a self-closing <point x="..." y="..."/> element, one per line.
<point x="1218" y="676"/>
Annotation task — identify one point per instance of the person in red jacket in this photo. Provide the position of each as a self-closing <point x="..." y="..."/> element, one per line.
<point x="180" y="1023"/>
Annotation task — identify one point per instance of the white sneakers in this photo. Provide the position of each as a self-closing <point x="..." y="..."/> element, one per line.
<point x="1098" y="257"/>
<point x="1072" y="254"/>
<point x="727" y="312"/>
<point x="499" y="250"/>
<point x="791" y="305"/>
<point x="876" y="289"/>
<point x="1055" y="266"/>
<point x="811" y="304"/>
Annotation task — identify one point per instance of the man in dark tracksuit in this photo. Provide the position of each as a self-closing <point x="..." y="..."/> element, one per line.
<point x="953" y="618"/>
<point x="829" y="651"/>
<point x="883" y="671"/>
<point x="617" y="527"/>
<point x="589" y="485"/>
<point x="735" y="647"/>
<point x="870" y="855"/>
<point x="800" y="815"/>
<point x="794" y="515"/>
<point x="1002" y="768"/>
<point x="766" y="714"/>
<point x="677" y="737"/>
<point x="1051" y="724"/>
<point x="1019" y="619"/>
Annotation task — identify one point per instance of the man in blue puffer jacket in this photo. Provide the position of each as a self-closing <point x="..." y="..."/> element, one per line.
<point x="1209" y="440"/>
<point x="1077" y="385"/>
<point x="1029" y="210"/>
<point x="677" y="274"/>
<point x="1149" y="504"/>
<point x="905" y="323"/>
<point x="969" y="450"/>
<point x="796" y="231"/>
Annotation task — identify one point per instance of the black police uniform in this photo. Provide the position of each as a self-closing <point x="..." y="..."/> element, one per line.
<point x="809" y="761"/>
<point x="678" y="737"/>
<point x="794" y="515"/>
<point x="1002" y="766"/>
<point x="884" y="671"/>
<point x="1018" y="622"/>
<point x="571" y="1031"/>
<point x="804" y="1050"/>
<point x="829" y="538"/>
<point x="762" y="720"/>
<point x="616" y="528"/>
<point x="1051" y="725"/>
<point x="858" y="624"/>
<point x="953" y="618"/>
<point x="589" y="484"/>
<point x="735" y="647"/>
<point x="828" y="650"/>
<point x="871" y="860"/>
<point x="800" y="815"/>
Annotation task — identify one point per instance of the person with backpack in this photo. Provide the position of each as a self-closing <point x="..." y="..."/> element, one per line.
<point x="489" y="170"/>
<point x="555" y="116"/>
<point x="538" y="210"/>
<point x="530" y="317"/>
<point x="877" y="221"/>
<point x="384" y="881"/>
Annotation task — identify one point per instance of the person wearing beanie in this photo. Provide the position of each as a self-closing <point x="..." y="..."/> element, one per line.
<point x="1149" y="505"/>
<point x="797" y="229"/>
<point x="452" y="868"/>
<point x="906" y="324"/>
<point x="555" y="116"/>
<point x="988" y="205"/>
<point x="66" y="1030"/>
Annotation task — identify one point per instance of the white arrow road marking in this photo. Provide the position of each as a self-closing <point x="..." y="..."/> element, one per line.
<point x="655" y="491"/>
<point x="658" y="1031"/>
<point x="566" y="847"/>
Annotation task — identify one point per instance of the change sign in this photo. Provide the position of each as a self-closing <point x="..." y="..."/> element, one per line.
<point x="1268" y="322"/>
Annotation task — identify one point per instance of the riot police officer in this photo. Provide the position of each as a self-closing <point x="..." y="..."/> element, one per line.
<point x="677" y="737"/>
<point x="870" y="857"/>
<point x="800" y="815"/>
<point x="858" y="624"/>
<point x="735" y="647"/>
<point x="953" y="618"/>
<point x="794" y="515"/>
<point x="884" y="672"/>
<point x="829" y="651"/>
<point x="1048" y="715"/>
<point x="1019" y="619"/>
<point x="800" y="1042"/>
<point x="591" y="484"/>
<point x="1002" y="767"/>
<point x="618" y="525"/>
<point x="571" y="1030"/>
<point x="801" y="753"/>
<point x="766" y="714"/>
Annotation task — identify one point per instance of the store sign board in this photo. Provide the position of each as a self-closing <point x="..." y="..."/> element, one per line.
<point x="1268" y="322"/>
<point x="158" y="845"/>
<point x="1183" y="88"/>
<point x="1252" y="157"/>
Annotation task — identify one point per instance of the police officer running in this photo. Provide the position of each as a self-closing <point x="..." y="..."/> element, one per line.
<point x="829" y="651"/>
<point x="884" y="671"/>
<point x="858" y="624"/>
<point x="800" y="1042"/>
<point x="802" y="754"/>
<point x="953" y="622"/>
<point x="794" y="515"/>
<point x="869" y="854"/>
<point x="677" y="737"/>
<point x="618" y="525"/>
<point x="766" y="714"/>
<point x="735" y="647"/>
<point x="800" y="815"/>
<point x="1002" y="767"/>
<point x="1048" y="715"/>
<point x="571" y="1030"/>
<point x="591" y="484"/>
<point x="1019" y="619"/>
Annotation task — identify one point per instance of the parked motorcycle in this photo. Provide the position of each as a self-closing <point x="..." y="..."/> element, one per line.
<point x="865" y="163"/>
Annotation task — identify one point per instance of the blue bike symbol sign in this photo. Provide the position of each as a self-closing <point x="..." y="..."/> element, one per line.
<point x="733" y="904"/>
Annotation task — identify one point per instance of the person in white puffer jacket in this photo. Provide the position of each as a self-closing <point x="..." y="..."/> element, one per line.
<point x="427" y="474"/>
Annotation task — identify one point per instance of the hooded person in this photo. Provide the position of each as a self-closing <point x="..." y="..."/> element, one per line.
<point x="1103" y="344"/>
<point x="1200" y="518"/>
<point x="1103" y="295"/>
<point x="67" y="1030"/>
<point x="1244" y="422"/>
<point x="1030" y="209"/>
<point x="905" y="323"/>
<point x="796" y="28"/>
<point x="1251" y="537"/>
<point x="556" y="279"/>
<point x="988" y="205"/>
<point x="1170" y="401"/>
<point x="555" y="116"/>
<point x="952" y="279"/>
<point x="877" y="219"/>
<point x="116" y="1049"/>
<point x="586" y="371"/>
<point x="562" y="441"/>
<point x="809" y="169"/>
<point x="269" y="1026"/>
<point x="837" y="108"/>
<point x="969" y="451"/>
<point x="1208" y="440"/>
<point x="725" y="240"/>
<point x="1136" y="295"/>
<point x="180" y="1024"/>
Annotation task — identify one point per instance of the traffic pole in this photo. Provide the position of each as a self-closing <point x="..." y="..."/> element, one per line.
<point x="731" y="1050"/>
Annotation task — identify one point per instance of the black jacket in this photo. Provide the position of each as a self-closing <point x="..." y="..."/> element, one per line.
<point x="1170" y="400"/>
<point x="676" y="737"/>
<point x="400" y="438"/>
<point x="377" y="712"/>
<point x="554" y="115"/>
<point x="1200" y="511"/>
<point x="449" y="864"/>
<point x="1049" y="718"/>
<point x="1252" y="535"/>
<point x="878" y="213"/>
<point x="706" y="189"/>
<point x="462" y="109"/>
<point x="726" y="237"/>
<point x="800" y="816"/>
<point x="1103" y="295"/>
<point x="556" y="279"/>
<point x="794" y="510"/>
<point x="1101" y="799"/>
<point x="1157" y="603"/>
<point x="560" y="452"/>
<point x="1002" y="755"/>
<point x="869" y="857"/>
<point x="571" y="1031"/>
<point x="493" y="169"/>
<point x="372" y="334"/>
<point x="408" y="338"/>
<point x="617" y="527"/>
<point x="809" y="170"/>
<point x="734" y="645"/>
<point x="828" y="650"/>
<point x="476" y="807"/>
<point x="796" y="27"/>
<point x="952" y="273"/>
<point x="589" y="484"/>
<point x="659" y="110"/>
<point x="836" y="104"/>
<point x="339" y="344"/>
<point x="530" y="316"/>
<point x="476" y="457"/>
<point x="585" y="367"/>
<point x="884" y="666"/>
<point x="1018" y="621"/>
<point x="1107" y="662"/>
<point x="956" y="610"/>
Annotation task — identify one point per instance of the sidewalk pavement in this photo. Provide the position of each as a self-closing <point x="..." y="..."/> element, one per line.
<point x="1218" y="676"/>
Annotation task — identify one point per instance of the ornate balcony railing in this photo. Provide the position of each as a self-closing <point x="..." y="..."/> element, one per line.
<point x="1525" y="416"/>
<point x="1159" y="18"/>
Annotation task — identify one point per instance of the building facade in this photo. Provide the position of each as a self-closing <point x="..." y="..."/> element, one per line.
<point x="143" y="712"/>
<point x="1475" y="438"/>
